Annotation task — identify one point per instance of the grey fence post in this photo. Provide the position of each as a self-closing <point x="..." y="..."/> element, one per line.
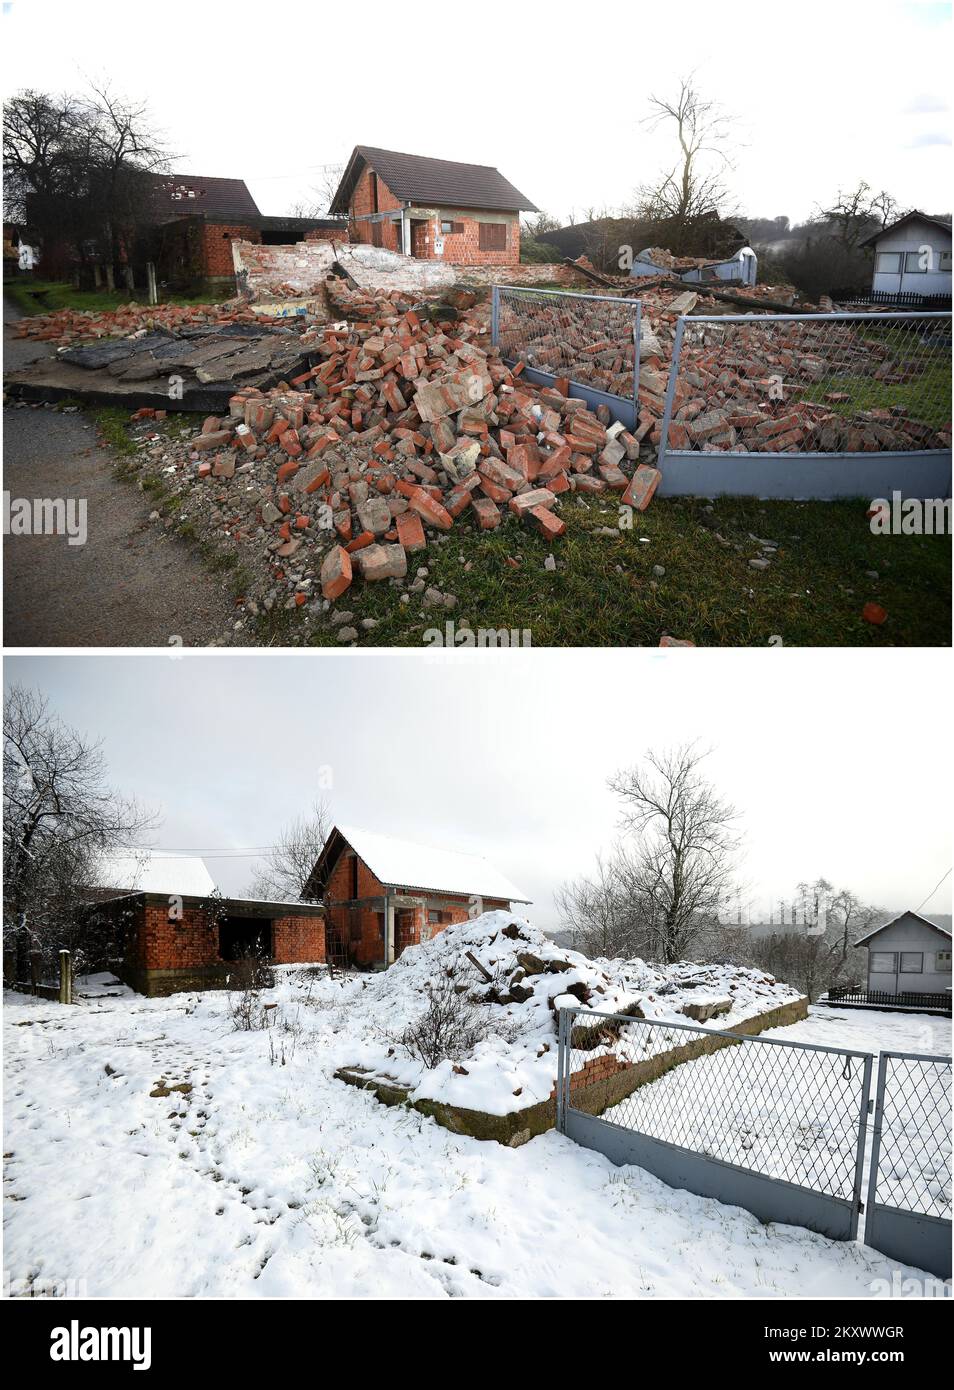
<point x="34" y="969"/>
<point x="495" y="316"/>
<point x="636" y="358"/>
<point x="66" y="979"/>
<point x="561" y="1064"/>
<point x="670" y="392"/>
<point x="876" y="1133"/>
<point x="860" y="1153"/>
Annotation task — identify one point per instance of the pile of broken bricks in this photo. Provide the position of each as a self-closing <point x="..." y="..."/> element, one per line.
<point x="402" y="428"/>
<point x="68" y="326"/>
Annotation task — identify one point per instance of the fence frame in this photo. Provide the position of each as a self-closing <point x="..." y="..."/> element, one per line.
<point x="914" y="1238"/>
<point x="918" y="473"/>
<point x="625" y="410"/>
<point x="768" y="1198"/>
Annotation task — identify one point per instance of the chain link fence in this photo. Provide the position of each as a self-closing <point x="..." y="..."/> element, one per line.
<point x="909" y="1186"/>
<point x="784" y="1110"/>
<point x="803" y="383"/>
<point x="591" y="340"/>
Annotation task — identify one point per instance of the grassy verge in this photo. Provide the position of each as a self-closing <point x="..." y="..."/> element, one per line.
<point x="926" y="398"/>
<point x="49" y="296"/>
<point x="604" y="591"/>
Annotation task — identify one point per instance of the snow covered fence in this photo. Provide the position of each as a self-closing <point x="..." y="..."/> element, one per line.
<point x="909" y="1188"/>
<point x="775" y="1127"/>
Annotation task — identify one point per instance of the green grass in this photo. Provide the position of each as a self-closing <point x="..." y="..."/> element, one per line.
<point x="49" y="296"/>
<point x="603" y="591"/>
<point x="811" y="595"/>
<point x="927" y="398"/>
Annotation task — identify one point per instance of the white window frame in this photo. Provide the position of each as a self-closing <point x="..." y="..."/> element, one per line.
<point x="881" y="269"/>
<point x="944" y="261"/>
<point x="912" y="969"/>
<point x="912" y="263"/>
<point x="877" y="969"/>
<point x="942" y="962"/>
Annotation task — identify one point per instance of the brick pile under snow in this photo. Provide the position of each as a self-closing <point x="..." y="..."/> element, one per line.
<point x="515" y="1066"/>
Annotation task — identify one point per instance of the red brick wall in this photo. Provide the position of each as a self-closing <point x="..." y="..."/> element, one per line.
<point x="217" y="246"/>
<point x="191" y="943"/>
<point x="359" y="927"/>
<point x="298" y="939"/>
<point x="460" y="248"/>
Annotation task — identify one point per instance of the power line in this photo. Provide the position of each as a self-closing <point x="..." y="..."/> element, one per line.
<point x="933" y="891"/>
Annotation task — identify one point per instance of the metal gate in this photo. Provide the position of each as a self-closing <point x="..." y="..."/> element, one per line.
<point x="908" y="1214"/>
<point x="775" y="1127"/>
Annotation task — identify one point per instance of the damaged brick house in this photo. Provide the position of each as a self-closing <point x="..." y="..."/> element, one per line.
<point x="381" y="894"/>
<point x="195" y="219"/>
<point x="431" y="209"/>
<point x="175" y="932"/>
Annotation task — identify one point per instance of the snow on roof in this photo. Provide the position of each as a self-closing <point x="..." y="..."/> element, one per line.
<point x="923" y="920"/>
<point x="140" y="871"/>
<point x="402" y="864"/>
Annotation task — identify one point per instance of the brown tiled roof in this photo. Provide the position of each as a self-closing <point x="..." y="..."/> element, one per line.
<point x="184" y="195"/>
<point x="413" y="178"/>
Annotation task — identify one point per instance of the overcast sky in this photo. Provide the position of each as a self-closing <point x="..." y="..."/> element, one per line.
<point x="822" y="93"/>
<point x="839" y="761"/>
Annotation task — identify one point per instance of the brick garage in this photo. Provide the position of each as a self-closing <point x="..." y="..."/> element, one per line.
<point x="187" y="943"/>
<point x="382" y="895"/>
<point x="431" y="209"/>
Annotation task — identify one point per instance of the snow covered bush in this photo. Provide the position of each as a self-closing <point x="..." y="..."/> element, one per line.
<point x="449" y="1028"/>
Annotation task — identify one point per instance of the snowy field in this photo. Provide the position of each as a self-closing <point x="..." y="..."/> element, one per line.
<point x="262" y="1176"/>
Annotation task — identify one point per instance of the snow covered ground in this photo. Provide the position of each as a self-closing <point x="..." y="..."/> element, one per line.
<point x="262" y="1176"/>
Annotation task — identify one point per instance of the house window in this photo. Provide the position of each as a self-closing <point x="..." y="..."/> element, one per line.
<point x="914" y="263"/>
<point x="942" y="962"/>
<point x="883" y="962"/>
<point x="492" y="236"/>
<point x="888" y="263"/>
<point x="912" y="962"/>
<point x="944" y="261"/>
<point x="451" y="228"/>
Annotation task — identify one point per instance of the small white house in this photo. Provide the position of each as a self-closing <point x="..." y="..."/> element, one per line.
<point x="912" y="256"/>
<point x="908" y="955"/>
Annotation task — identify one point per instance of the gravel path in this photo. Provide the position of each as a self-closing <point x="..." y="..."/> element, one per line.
<point x="131" y="584"/>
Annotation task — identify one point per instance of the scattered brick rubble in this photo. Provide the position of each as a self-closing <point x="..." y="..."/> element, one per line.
<point x="406" y="425"/>
<point x="69" y="326"/>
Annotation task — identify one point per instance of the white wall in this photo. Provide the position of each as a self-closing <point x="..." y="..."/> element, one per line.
<point x="908" y="934"/>
<point x="911" y="238"/>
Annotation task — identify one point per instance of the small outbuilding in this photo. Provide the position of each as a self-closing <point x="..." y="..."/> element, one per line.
<point x="912" y="259"/>
<point x="908" y="956"/>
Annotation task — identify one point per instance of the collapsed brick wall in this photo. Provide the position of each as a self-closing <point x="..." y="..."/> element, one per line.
<point x="297" y="271"/>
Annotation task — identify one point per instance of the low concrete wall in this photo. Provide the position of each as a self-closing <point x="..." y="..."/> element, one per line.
<point x="611" y="1082"/>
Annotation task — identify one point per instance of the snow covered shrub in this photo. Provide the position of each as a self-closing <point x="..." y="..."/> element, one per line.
<point x="449" y="1028"/>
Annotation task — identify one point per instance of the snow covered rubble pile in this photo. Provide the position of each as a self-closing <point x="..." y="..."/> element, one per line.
<point x="530" y="978"/>
<point x="406" y="425"/>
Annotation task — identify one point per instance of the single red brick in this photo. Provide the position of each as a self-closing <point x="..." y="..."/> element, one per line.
<point x="335" y="572"/>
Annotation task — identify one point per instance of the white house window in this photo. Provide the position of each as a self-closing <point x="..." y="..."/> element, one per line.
<point x="888" y="263"/>
<point x="944" y="261"/>
<point x="942" y="962"/>
<point x="882" y="962"/>
<point x="912" y="962"/>
<point x="914" y="263"/>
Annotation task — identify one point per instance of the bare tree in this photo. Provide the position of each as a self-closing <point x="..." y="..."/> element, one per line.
<point x="679" y="872"/>
<point x="599" y="911"/>
<point x="857" y="212"/>
<point x="284" y="874"/>
<point x="321" y="194"/>
<point x="59" y="818"/>
<point x="693" y="188"/>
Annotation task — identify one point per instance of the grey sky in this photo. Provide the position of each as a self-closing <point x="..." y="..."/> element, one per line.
<point x="824" y="94"/>
<point x="840" y="761"/>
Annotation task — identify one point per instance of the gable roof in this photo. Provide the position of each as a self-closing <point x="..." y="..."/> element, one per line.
<point x="140" y="871"/>
<point x="184" y="195"/>
<point x="404" y="864"/>
<point x="414" y="178"/>
<point x="923" y="920"/>
<point x="915" y="216"/>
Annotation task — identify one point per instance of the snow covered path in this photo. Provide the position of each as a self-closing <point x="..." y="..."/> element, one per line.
<point x="263" y="1179"/>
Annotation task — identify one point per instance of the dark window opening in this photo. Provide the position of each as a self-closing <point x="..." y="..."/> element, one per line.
<point x="492" y="236"/>
<point x="374" y="191"/>
<point x="245" y="938"/>
<point x="354" y="876"/>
